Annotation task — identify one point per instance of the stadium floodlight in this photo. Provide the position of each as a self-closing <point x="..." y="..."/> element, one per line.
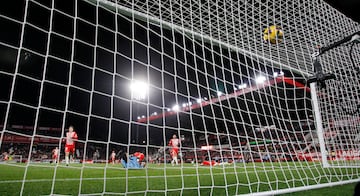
<point x="242" y="86"/>
<point x="139" y="89"/>
<point x="219" y="93"/>
<point x="260" y="79"/>
<point x="184" y="105"/>
<point x="138" y="117"/>
<point x="168" y="109"/>
<point x="176" y="108"/>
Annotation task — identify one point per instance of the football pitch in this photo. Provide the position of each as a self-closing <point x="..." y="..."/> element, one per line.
<point x="102" y="179"/>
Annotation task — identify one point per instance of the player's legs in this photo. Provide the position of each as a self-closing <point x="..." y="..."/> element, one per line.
<point x="176" y="160"/>
<point x="175" y="156"/>
<point x="67" y="158"/>
<point x="68" y="149"/>
<point x="172" y="153"/>
<point x="67" y="155"/>
<point x="72" y="154"/>
<point x="55" y="159"/>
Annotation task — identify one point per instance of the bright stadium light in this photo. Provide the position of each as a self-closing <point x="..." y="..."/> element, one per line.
<point x="198" y="100"/>
<point x="242" y="86"/>
<point x="139" y="89"/>
<point x="184" y="105"/>
<point x="176" y="108"/>
<point x="260" y="79"/>
<point x="219" y="93"/>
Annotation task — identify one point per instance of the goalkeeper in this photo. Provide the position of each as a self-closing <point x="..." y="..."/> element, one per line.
<point x="133" y="161"/>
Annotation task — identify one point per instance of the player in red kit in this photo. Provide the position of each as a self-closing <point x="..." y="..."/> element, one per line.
<point x="140" y="156"/>
<point x="112" y="157"/>
<point x="174" y="151"/>
<point x="55" y="154"/>
<point x="70" y="139"/>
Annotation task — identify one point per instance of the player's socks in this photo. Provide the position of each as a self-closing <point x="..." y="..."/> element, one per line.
<point x="67" y="160"/>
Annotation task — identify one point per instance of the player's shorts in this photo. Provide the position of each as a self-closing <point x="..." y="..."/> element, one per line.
<point x="70" y="148"/>
<point x="55" y="156"/>
<point x="174" y="152"/>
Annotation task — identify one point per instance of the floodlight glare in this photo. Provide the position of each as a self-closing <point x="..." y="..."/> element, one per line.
<point x="176" y="108"/>
<point x="139" y="89"/>
<point x="219" y="93"/>
<point x="260" y="79"/>
<point x="242" y="86"/>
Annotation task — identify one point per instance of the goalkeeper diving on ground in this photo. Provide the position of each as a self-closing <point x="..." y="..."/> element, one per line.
<point x="134" y="161"/>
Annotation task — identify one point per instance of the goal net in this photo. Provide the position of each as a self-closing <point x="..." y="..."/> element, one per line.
<point x="185" y="91"/>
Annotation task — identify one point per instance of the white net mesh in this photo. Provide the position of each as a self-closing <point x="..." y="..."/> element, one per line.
<point x="128" y="75"/>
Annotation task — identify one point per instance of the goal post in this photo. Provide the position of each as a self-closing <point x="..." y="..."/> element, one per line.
<point x="182" y="97"/>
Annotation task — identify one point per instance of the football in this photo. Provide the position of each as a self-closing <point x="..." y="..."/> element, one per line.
<point x="273" y="34"/>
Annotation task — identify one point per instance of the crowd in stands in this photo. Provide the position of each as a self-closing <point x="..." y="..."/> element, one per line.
<point x="225" y="148"/>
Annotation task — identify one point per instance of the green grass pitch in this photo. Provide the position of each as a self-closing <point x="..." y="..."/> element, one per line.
<point x="99" y="179"/>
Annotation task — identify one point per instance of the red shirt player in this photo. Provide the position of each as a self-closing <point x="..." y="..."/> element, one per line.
<point x="55" y="154"/>
<point x="71" y="137"/>
<point x="112" y="156"/>
<point x="174" y="151"/>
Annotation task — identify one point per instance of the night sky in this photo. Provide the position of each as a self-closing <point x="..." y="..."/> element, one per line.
<point x="81" y="77"/>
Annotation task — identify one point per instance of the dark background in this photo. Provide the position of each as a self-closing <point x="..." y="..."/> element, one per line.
<point x="350" y="8"/>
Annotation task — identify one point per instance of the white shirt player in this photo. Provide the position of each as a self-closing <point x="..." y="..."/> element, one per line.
<point x="113" y="155"/>
<point x="70" y="137"/>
